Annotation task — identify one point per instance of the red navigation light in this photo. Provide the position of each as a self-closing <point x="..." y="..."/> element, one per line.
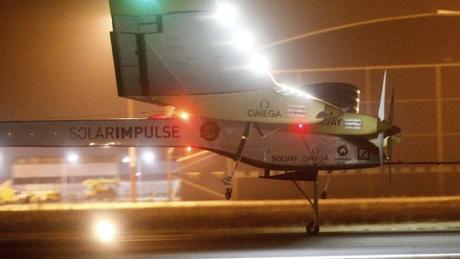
<point x="300" y="127"/>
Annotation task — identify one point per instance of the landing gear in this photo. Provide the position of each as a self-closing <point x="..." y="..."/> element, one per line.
<point x="228" y="193"/>
<point x="313" y="226"/>
<point x="239" y="154"/>
<point x="326" y="186"/>
<point x="324" y="195"/>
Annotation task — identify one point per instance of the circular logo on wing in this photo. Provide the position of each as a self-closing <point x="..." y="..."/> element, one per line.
<point x="209" y="131"/>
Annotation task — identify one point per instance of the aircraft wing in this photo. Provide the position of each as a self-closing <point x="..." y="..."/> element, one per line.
<point x="176" y="54"/>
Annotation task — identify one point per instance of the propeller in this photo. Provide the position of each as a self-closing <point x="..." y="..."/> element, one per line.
<point x="381" y="115"/>
<point x="390" y="138"/>
<point x="381" y="135"/>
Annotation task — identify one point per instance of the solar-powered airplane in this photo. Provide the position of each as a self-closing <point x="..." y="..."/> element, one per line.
<point x="204" y="64"/>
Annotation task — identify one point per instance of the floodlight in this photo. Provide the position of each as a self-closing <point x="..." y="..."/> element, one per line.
<point x="104" y="230"/>
<point x="148" y="157"/>
<point x="72" y="158"/>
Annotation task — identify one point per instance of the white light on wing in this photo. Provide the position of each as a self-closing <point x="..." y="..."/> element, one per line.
<point x="244" y="40"/>
<point x="288" y="90"/>
<point x="259" y="64"/>
<point x="226" y="14"/>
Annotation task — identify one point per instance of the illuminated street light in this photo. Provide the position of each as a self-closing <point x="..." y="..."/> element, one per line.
<point x="104" y="230"/>
<point x="225" y="13"/>
<point x="126" y="159"/>
<point x="447" y="12"/>
<point x="72" y="158"/>
<point x="148" y="157"/>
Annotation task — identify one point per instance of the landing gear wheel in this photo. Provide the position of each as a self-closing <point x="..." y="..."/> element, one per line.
<point x="313" y="228"/>
<point x="228" y="193"/>
<point x="324" y="195"/>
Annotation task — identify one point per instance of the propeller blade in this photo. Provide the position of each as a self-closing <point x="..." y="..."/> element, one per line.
<point x="392" y="104"/>
<point x="390" y="157"/>
<point x="390" y="138"/>
<point x="381" y="112"/>
<point x="380" y="140"/>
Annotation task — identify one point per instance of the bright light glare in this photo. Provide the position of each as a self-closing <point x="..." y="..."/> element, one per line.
<point x="244" y="40"/>
<point x="300" y="126"/>
<point x="225" y="14"/>
<point x="259" y="64"/>
<point x="184" y="115"/>
<point x="105" y="230"/>
<point x="126" y="159"/>
<point x="148" y="157"/>
<point x="189" y="149"/>
<point x="138" y="173"/>
<point x="288" y="90"/>
<point x="72" y="158"/>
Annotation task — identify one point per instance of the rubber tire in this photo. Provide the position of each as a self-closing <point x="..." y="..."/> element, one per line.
<point x="228" y="194"/>
<point x="312" y="228"/>
<point x="323" y="195"/>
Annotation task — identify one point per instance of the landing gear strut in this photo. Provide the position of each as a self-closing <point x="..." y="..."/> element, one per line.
<point x="228" y="181"/>
<point x="326" y="186"/>
<point x="313" y="226"/>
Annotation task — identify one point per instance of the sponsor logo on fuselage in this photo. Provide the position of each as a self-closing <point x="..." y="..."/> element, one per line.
<point x="264" y="111"/>
<point x="363" y="154"/>
<point x="342" y="152"/>
<point x="332" y="121"/>
<point x="129" y="132"/>
<point x="313" y="156"/>
<point x="347" y="123"/>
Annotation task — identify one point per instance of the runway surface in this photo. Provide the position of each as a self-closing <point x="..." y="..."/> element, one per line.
<point x="294" y="244"/>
